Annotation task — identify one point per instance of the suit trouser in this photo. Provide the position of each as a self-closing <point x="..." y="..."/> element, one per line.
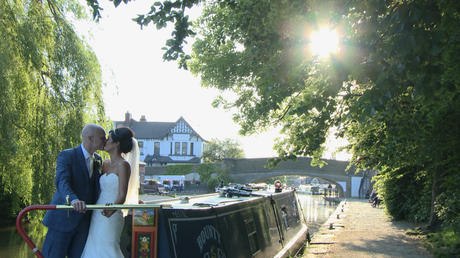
<point x="59" y="244"/>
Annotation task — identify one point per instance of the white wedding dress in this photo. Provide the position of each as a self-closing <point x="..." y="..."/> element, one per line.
<point x="104" y="233"/>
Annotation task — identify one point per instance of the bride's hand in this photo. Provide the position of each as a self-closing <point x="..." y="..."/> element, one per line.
<point x="108" y="213"/>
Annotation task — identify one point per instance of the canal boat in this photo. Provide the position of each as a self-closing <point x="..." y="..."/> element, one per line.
<point x="264" y="224"/>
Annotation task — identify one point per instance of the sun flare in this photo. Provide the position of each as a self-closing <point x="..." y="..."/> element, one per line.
<point x="324" y="42"/>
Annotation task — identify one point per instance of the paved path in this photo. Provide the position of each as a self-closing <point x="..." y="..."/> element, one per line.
<point x="363" y="231"/>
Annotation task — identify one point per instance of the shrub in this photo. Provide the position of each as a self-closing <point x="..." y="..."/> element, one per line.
<point x="212" y="183"/>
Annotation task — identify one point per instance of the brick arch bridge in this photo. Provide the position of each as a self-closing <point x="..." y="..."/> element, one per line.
<point x="244" y="171"/>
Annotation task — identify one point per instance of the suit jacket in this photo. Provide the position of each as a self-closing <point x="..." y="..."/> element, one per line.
<point x="72" y="179"/>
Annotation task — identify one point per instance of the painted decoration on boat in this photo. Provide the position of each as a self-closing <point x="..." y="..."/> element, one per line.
<point x="195" y="233"/>
<point x="210" y="234"/>
<point x="144" y="217"/>
<point x="144" y="242"/>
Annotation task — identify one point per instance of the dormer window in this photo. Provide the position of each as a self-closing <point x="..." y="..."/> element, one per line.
<point x="141" y="147"/>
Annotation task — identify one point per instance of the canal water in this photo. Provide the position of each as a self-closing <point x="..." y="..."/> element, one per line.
<point x="315" y="208"/>
<point x="316" y="211"/>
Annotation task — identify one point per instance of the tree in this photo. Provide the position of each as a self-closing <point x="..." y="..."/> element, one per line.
<point x="205" y="170"/>
<point x="216" y="150"/>
<point x="383" y="90"/>
<point x="392" y="90"/>
<point x="212" y="183"/>
<point x="50" y="84"/>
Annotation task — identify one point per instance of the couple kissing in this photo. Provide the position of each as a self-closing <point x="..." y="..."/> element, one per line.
<point x="86" y="179"/>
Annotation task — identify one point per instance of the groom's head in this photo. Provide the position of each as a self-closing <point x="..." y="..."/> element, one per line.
<point x="93" y="137"/>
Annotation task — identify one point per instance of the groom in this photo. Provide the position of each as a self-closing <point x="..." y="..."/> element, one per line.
<point x="68" y="230"/>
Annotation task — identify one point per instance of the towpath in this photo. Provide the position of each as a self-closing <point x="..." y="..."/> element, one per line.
<point x="363" y="231"/>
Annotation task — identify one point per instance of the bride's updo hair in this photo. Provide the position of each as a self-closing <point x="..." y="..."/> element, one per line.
<point x="124" y="136"/>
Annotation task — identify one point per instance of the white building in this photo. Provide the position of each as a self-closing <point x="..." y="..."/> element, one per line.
<point x="165" y="143"/>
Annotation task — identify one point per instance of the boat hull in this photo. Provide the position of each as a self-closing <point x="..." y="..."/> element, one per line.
<point x="263" y="225"/>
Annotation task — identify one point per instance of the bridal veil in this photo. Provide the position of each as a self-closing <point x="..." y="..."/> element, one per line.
<point x="132" y="196"/>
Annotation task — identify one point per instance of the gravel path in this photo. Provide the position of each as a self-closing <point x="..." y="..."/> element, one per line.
<point x="363" y="231"/>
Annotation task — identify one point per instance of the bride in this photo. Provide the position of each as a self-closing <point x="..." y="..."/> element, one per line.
<point x="119" y="184"/>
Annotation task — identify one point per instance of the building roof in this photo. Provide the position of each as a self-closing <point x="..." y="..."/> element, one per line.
<point x="156" y="130"/>
<point x="157" y="159"/>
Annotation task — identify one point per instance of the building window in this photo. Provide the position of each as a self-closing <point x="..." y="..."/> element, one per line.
<point x="184" y="148"/>
<point x="156" y="148"/>
<point x="252" y="235"/>
<point x="191" y="148"/>
<point x="141" y="147"/>
<point x="177" y="148"/>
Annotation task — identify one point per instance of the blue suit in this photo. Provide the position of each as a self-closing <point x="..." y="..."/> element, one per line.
<point x="68" y="230"/>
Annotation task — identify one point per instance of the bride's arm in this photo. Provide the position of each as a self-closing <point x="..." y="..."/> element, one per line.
<point x="123" y="173"/>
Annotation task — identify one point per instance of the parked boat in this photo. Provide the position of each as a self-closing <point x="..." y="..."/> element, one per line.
<point x="260" y="225"/>
<point x="263" y="224"/>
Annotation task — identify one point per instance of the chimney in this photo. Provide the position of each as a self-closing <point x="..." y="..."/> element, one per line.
<point x="128" y="117"/>
<point x="143" y="119"/>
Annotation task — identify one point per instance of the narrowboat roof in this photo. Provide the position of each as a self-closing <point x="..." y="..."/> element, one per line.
<point x="211" y="200"/>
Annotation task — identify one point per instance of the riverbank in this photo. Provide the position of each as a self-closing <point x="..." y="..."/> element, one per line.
<point x="363" y="231"/>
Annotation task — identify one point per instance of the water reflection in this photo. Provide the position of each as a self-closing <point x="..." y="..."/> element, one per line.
<point x="316" y="210"/>
<point x="13" y="245"/>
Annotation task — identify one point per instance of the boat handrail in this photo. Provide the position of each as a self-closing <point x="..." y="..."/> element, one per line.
<point x="205" y="204"/>
<point x="35" y="249"/>
<point x="228" y="201"/>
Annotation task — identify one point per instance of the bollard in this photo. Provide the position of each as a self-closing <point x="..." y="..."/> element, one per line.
<point x="331" y="225"/>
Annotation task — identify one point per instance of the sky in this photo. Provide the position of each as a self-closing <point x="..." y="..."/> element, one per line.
<point x="138" y="81"/>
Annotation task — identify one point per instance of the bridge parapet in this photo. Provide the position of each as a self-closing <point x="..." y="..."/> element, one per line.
<point x="335" y="167"/>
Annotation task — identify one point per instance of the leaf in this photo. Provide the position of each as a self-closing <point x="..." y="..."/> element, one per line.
<point x="435" y="49"/>
<point x="116" y="3"/>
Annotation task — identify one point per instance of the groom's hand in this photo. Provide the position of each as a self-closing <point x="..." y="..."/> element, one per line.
<point x="79" y="206"/>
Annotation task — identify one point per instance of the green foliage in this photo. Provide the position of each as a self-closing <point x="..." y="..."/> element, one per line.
<point x="444" y="244"/>
<point x="160" y="14"/>
<point x="212" y="183"/>
<point x="216" y="150"/>
<point x="448" y="208"/>
<point x="50" y="84"/>
<point x="179" y="169"/>
<point x="389" y="90"/>
<point x="205" y="170"/>
<point x="404" y="194"/>
<point x="222" y="174"/>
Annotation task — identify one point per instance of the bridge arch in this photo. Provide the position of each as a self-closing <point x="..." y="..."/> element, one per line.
<point x="338" y="185"/>
<point x="245" y="171"/>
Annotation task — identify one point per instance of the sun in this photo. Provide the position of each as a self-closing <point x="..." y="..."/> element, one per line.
<point x="324" y="42"/>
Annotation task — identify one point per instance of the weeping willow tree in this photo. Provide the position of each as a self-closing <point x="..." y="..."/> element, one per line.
<point x="50" y="86"/>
